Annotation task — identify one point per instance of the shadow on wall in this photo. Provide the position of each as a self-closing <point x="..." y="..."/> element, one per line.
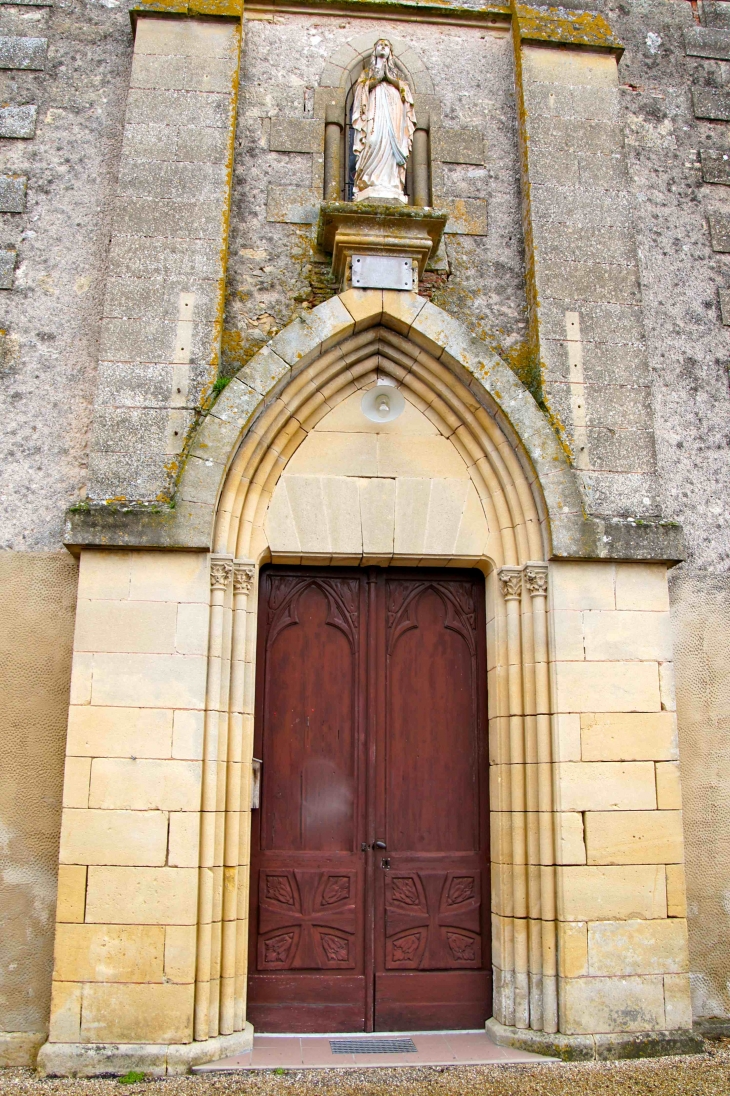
<point x="36" y="634"/>
<point x="701" y="625"/>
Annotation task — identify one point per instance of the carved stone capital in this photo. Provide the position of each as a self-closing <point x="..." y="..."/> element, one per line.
<point x="220" y="573"/>
<point x="243" y="574"/>
<point x="536" y="579"/>
<point x="511" y="579"/>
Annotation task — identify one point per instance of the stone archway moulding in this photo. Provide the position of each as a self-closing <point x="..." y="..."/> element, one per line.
<point x="281" y="395"/>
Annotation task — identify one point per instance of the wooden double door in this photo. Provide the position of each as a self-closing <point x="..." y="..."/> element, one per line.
<point x="370" y="869"/>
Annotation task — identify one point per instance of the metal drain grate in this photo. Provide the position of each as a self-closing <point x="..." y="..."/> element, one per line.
<point x="373" y="1046"/>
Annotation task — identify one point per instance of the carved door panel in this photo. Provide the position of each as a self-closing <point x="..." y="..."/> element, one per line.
<point x="370" y="724"/>
<point x="432" y="923"/>
<point x="307" y="967"/>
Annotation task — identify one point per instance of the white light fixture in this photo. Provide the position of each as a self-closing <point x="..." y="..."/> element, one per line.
<point x="383" y="403"/>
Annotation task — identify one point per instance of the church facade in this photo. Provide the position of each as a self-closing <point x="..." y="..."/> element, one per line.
<point x="365" y="526"/>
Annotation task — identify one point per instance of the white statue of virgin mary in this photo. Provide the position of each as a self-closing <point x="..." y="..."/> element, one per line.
<point x="383" y="119"/>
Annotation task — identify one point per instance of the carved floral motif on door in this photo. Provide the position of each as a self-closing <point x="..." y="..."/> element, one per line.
<point x="307" y="920"/>
<point x="432" y="920"/>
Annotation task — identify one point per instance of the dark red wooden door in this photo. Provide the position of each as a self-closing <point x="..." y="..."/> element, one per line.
<point x="371" y="727"/>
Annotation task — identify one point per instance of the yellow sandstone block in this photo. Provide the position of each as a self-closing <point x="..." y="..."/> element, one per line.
<point x="638" y="947"/>
<point x="668" y="787"/>
<point x="627" y="635"/>
<point x="187" y="735"/>
<point x="125" y="626"/>
<point x="568" y="66"/>
<point x="82" y="666"/>
<point x="628" y="736"/>
<point x="581" y="586"/>
<point x="677" y="1001"/>
<point x="364" y="305"/>
<point x="613" y="893"/>
<point x="104" y="574"/>
<point x="184" y="839"/>
<point x="572" y="949"/>
<point x="71" y="900"/>
<point x="113" y="837"/>
<point x="676" y="891"/>
<point x="634" y="837"/>
<point x="607" y="686"/>
<point x="604" y="1005"/>
<point x="94" y="731"/>
<point x="76" y="776"/>
<point x="109" y="953"/>
<point x="569" y="838"/>
<point x="129" y="1013"/>
<point x="142" y="896"/>
<point x="170" y="576"/>
<point x="65" y="1012"/>
<point x="180" y="952"/>
<point x="191" y="631"/>
<point x="605" y="786"/>
<point x="149" y="680"/>
<point x="642" y="586"/>
<point x="145" y="784"/>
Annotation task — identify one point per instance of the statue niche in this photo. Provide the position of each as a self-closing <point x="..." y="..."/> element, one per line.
<point x="383" y="120"/>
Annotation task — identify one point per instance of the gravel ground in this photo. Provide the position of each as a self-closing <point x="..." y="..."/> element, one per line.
<point x="705" y="1074"/>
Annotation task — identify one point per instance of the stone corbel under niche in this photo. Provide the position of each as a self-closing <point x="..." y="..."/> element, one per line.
<point x="372" y="228"/>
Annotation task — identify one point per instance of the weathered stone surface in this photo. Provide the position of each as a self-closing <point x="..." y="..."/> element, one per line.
<point x="8" y="258"/>
<point x="715" y="166"/>
<point x="18" y="121"/>
<point x="293" y="205"/>
<point x="711" y="103"/>
<point x="457" y="146"/>
<point x="707" y="42"/>
<point x="296" y="135"/>
<point x="719" y="231"/>
<point x="12" y="193"/>
<point x="23" y="53"/>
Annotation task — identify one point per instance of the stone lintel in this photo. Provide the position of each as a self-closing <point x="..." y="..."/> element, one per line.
<point x="372" y="228"/>
<point x="587" y="1048"/>
<point x="559" y="27"/>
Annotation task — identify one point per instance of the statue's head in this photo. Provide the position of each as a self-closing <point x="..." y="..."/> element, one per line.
<point x="382" y="48"/>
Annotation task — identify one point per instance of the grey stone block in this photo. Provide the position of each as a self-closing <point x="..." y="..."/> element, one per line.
<point x="457" y="146"/>
<point x="724" y="295"/>
<point x="603" y="323"/>
<point x="23" y="53"/>
<point x="293" y="205"/>
<point x="159" y="299"/>
<point x="137" y="384"/>
<point x="174" y="73"/>
<point x="119" y="476"/>
<point x="132" y="340"/>
<point x="716" y="14"/>
<point x="12" y="193"/>
<point x="600" y="282"/>
<point x="132" y="257"/>
<point x="296" y="135"/>
<point x="166" y="217"/>
<point x="603" y="171"/>
<point x="467" y="216"/>
<point x="464" y="181"/>
<point x="329" y="100"/>
<point x="555" y="167"/>
<point x="8" y="257"/>
<point x="142" y="142"/>
<point x="134" y="431"/>
<point x="580" y="206"/>
<point x="603" y="363"/>
<point x="584" y="243"/>
<point x="614" y="450"/>
<point x="186" y="182"/>
<point x="575" y="135"/>
<point x="18" y="121"/>
<point x="712" y="103"/>
<point x="719" y="231"/>
<point x="715" y="166"/>
<point x="178" y="108"/>
<point x="202" y="145"/>
<point x="707" y="42"/>
<point x="622" y="495"/>
<point x="30" y="3"/>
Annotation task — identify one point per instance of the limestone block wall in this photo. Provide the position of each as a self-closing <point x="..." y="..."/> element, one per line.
<point x="162" y="316"/>
<point x="127" y="895"/>
<point x="622" y="933"/>
<point x="583" y="276"/>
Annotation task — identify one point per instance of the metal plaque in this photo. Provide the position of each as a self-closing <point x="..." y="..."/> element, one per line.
<point x="381" y="272"/>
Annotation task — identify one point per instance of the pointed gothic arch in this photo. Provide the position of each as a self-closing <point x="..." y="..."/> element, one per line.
<point x="524" y="486"/>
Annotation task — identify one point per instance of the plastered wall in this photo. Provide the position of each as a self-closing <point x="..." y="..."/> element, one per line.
<point x="36" y="633"/>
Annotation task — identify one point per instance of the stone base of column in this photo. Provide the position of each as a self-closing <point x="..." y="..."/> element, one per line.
<point x="20" y="1048"/>
<point x="152" y="1059"/>
<point x="588" y="1048"/>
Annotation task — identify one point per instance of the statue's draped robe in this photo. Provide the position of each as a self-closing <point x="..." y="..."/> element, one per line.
<point x="384" y="126"/>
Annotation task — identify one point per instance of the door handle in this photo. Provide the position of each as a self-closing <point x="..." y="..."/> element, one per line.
<point x="380" y="845"/>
